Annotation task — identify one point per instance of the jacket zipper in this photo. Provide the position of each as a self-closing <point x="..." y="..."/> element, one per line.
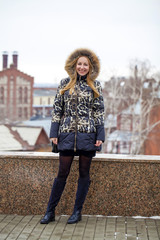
<point x="75" y="140"/>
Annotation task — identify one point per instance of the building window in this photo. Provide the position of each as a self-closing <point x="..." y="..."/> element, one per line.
<point x="20" y="94"/>
<point x="40" y="101"/>
<point x="25" y="112"/>
<point x="125" y="145"/>
<point x="19" y="112"/>
<point x="49" y="101"/>
<point x="25" y="95"/>
<point x="2" y="95"/>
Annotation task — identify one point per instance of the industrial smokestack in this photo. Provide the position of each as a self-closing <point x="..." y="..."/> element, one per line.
<point x="15" y="59"/>
<point x="5" y="60"/>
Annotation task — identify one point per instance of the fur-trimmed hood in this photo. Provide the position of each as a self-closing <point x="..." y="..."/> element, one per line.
<point x="71" y="61"/>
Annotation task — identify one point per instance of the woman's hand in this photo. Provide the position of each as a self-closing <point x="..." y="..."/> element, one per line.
<point x="54" y="140"/>
<point x="98" y="143"/>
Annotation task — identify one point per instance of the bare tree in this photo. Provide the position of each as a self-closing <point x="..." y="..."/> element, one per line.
<point x="132" y="100"/>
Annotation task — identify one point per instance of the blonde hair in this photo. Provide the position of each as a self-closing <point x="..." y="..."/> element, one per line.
<point x="73" y="79"/>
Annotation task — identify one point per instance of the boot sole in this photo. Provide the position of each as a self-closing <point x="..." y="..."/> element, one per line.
<point x="51" y="220"/>
<point x="74" y="221"/>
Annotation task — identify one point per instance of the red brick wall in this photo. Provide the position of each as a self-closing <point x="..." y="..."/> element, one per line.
<point x="152" y="144"/>
<point x="42" y="139"/>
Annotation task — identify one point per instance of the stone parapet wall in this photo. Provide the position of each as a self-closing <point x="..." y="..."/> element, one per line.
<point x="121" y="185"/>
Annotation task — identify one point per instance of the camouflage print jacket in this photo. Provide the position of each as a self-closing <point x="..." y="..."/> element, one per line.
<point x="78" y="119"/>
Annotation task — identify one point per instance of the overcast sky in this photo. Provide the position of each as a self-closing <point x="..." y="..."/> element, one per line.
<point x="44" y="32"/>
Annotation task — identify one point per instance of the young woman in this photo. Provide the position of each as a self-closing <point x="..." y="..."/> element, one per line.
<point x="77" y="127"/>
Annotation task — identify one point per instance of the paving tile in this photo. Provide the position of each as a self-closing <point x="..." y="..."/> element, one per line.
<point x="48" y="230"/>
<point x="2" y="217"/>
<point x="80" y="229"/>
<point x="90" y="228"/>
<point x="14" y="227"/>
<point x="59" y="228"/>
<point x="110" y="228"/>
<point x="68" y="231"/>
<point x="10" y="226"/>
<point x="30" y="225"/>
<point x="100" y="228"/>
<point x="6" y="221"/>
<point x="19" y="228"/>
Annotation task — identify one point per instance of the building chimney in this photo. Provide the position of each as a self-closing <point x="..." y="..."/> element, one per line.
<point x="5" y="60"/>
<point x="15" y="59"/>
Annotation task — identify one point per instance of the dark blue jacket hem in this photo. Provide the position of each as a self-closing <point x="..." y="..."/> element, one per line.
<point x="54" y="130"/>
<point x="100" y="133"/>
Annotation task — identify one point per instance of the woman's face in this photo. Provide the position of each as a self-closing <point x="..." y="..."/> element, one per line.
<point x="82" y="66"/>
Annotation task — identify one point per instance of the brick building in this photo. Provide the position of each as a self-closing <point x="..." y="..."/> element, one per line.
<point x="16" y="92"/>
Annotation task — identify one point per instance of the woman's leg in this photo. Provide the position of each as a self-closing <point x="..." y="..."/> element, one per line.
<point x="83" y="186"/>
<point x="65" y="163"/>
<point x="84" y="166"/>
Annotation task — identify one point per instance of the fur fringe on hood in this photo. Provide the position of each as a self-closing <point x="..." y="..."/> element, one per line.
<point x="71" y="61"/>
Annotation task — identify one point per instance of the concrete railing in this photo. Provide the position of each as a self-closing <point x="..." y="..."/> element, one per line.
<point x="121" y="185"/>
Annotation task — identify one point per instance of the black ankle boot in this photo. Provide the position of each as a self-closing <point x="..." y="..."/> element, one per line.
<point x="49" y="217"/>
<point x="75" y="217"/>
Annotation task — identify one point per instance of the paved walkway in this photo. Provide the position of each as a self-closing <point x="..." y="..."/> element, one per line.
<point x="14" y="227"/>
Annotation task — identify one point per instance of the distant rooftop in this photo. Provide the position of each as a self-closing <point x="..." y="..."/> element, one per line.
<point x="45" y="85"/>
<point x="45" y="123"/>
<point x="18" y="138"/>
<point x="28" y="133"/>
<point x="44" y="92"/>
<point x="8" y="140"/>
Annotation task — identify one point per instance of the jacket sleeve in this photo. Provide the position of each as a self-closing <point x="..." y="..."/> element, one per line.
<point x="98" y="113"/>
<point x="57" y="112"/>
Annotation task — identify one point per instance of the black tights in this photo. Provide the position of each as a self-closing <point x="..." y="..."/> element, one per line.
<point x="66" y="162"/>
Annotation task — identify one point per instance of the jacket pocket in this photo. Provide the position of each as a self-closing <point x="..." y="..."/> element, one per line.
<point x="66" y="141"/>
<point x="86" y="141"/>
